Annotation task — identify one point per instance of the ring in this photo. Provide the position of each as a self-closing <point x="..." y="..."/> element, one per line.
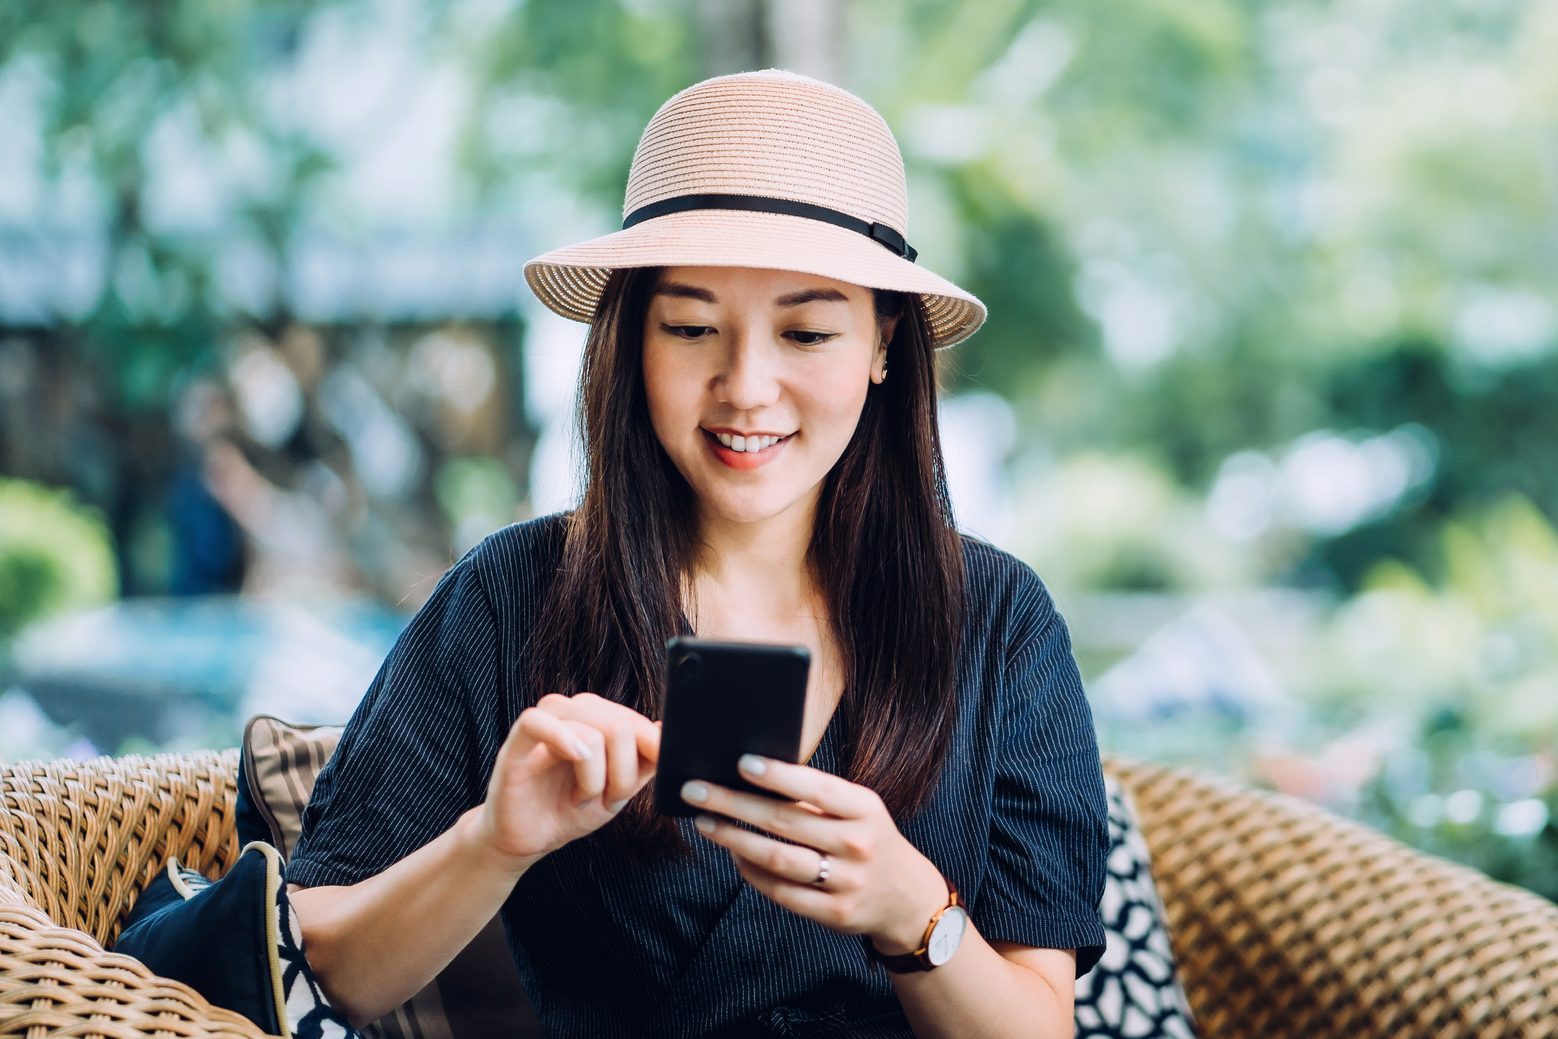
<point x="822" y="868"/>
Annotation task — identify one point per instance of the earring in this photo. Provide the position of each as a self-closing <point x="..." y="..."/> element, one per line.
<point x="884" y="372"/>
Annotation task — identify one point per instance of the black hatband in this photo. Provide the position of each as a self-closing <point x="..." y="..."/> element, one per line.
<point x="881" y="233"/>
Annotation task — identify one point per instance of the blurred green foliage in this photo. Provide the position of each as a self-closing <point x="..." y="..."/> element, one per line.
<point x="55" y="555"/>
<point x="1465" y="662"/>
<point x="117" y="73"/>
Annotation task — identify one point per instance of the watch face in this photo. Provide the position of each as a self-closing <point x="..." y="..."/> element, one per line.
<point x="948" y="933"/>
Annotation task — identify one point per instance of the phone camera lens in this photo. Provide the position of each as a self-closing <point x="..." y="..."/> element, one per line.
<point x="689" y="667"/>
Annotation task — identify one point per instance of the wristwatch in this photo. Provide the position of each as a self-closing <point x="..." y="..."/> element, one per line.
<point x="942" y="935"/>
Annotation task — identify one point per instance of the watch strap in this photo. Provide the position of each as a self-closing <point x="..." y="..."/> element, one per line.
<point x="919" y="959"/>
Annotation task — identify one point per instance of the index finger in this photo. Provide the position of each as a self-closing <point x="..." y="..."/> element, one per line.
<point x="598" y="711"/>
<point x="835" y="795"/>
<point x="648" y="739"/>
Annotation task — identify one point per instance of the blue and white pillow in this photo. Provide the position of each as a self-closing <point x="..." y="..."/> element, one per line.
<point x="1134" y="991"/>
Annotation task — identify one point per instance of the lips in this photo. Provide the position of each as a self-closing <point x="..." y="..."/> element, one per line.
<point x="744" y="459"/>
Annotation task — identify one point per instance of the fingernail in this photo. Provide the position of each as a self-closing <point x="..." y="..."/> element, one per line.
<point x="617" y="806"/>
<point x="753" y="764"/>
<point x="693" y="791"/>
<point x="582" y="749"/>
<point x="704" y="823"/>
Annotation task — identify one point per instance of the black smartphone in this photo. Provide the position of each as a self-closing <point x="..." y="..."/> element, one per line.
<point x="723" y="700"/>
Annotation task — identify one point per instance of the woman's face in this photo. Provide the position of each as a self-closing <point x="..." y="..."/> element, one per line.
<point x="756" y="380"/>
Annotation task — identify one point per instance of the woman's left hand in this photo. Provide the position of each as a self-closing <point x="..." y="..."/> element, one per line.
<point x="878" y="884"/>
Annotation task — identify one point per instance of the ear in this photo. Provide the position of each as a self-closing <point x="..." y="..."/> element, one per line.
<point x="887" y="326"/>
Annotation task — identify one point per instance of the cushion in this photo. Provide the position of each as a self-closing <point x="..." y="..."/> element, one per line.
<point x="277" y="767"/>
<point x="234" y="941"/>
<point x="479" y="994"/>
<point x="1134" y="990"/>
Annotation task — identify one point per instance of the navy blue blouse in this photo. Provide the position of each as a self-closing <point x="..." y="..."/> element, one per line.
<point x="608" y="947"/>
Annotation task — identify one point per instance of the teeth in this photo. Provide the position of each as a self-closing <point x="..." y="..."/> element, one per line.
<point x="747" y="445"/>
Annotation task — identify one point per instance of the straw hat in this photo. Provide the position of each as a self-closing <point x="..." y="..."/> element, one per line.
<point x="766" y="169"/>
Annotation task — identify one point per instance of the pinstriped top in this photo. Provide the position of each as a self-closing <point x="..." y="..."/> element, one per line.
<point x="1018" y="820"/>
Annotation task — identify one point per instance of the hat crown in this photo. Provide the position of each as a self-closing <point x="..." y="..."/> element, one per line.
<point x="777" y="134"/>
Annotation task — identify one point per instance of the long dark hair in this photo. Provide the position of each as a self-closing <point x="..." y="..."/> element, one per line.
<point x="884" y="551"/>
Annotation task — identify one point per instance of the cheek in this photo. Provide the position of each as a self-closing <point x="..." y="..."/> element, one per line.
<point x="837" y="399"/>
<point x="667" y="391"/>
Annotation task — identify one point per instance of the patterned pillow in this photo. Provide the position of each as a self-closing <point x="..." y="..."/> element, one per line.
<point x="1134" y="990"/>
<point x="234" y="941"/>
<point x="479" y="994"/>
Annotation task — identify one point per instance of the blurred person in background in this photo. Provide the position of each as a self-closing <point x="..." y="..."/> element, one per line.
<point x="206" y="543"/>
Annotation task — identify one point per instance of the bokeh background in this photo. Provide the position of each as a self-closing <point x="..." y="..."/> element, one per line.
<point x="1268" y="394"/>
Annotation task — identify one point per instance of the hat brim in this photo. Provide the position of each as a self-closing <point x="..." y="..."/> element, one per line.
<point x="569" y="280"/>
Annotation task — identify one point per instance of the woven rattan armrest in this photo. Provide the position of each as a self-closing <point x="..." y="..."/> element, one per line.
<point x="58" y="981"/>
<point x="78" y="842"/>
<point x="1288" y="921"/>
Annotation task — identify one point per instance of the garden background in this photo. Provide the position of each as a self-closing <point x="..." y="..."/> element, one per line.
<point x="1266" y="394"/>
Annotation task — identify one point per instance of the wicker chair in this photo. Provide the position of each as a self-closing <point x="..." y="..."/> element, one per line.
<point x="1287" y="921"/>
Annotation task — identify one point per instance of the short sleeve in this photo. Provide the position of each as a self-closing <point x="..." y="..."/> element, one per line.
<point x="411" y="758"/>
<point x="1049" y="826"/>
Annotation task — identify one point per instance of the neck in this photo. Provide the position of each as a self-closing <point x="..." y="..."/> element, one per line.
<point x="760" y="565"/>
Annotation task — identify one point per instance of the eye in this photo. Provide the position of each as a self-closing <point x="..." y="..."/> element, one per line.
<point x="811" y="338"/>
<point x="687" y="331"/>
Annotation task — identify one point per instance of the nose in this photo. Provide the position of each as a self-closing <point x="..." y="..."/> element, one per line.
<point x="748" y="378"/>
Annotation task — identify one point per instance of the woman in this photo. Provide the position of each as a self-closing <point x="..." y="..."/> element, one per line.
<point x="754" y="474"/>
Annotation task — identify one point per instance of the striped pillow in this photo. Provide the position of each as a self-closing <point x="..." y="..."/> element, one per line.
<point x="478" y="994"/>
<point x="280" y="763"/>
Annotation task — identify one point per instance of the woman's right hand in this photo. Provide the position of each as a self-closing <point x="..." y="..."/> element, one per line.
<point x="569" y="764"/>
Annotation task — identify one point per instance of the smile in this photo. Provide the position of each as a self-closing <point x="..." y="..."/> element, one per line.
<point x="745" y="452"/>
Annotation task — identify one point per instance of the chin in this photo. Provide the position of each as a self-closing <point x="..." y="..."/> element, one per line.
<point x="749" y="508"/>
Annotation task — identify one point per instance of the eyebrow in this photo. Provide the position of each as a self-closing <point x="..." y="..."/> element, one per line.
<point x="680" y="290"/>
